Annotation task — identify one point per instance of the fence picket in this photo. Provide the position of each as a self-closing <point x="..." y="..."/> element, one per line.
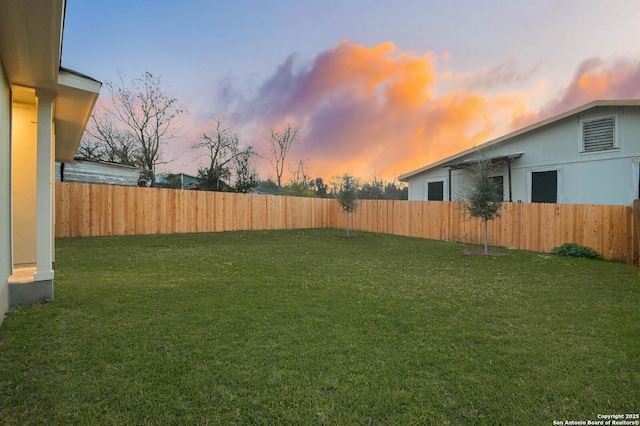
<point x="92" y="210"/>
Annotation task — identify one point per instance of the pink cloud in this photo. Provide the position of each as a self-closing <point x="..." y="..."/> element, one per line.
<point x="373" y="111"/>
<point x="597" y="79"/>
<point x="381" y="111"/>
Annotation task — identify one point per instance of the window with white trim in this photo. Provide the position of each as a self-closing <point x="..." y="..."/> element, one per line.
<point x="599" y="134"/>
<point x="436" y="190"/>
<point x="544" y="186"/>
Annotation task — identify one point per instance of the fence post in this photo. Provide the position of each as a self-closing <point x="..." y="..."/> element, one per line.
<point x="635" y="232"/>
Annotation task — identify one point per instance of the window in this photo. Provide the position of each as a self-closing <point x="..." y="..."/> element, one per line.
<point x="499" y="183"/>
<point x="435" y="191"/>
<point x="544" y="187"/>
<point x="599" y="134"/>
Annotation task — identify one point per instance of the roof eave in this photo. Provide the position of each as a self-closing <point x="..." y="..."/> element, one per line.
<point x="76" y="96"/>
<point x="598" y="103"/>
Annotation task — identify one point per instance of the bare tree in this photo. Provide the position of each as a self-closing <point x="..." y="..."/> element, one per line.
<point x="301" y="175"/>
<point x="300" y="184"/>
<point x="105" y="141"/>
<point x="90" y="149"/>
<point x="279" y="145"/>
<point x="223" y="152"/>
<point x="147" y="115"/>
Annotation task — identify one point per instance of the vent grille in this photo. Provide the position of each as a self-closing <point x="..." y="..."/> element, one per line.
<point x="598" y="135"/>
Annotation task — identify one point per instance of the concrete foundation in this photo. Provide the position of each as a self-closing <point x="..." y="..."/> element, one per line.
<point x="21" y="294"/>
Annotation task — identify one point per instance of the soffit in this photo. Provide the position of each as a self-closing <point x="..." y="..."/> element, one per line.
<point x="30" y="45"/>
<point x="76" y="97"/>
<point x="30" y="41"/>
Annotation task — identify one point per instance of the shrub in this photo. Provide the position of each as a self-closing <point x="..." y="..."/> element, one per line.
<point x="575" y="250"/>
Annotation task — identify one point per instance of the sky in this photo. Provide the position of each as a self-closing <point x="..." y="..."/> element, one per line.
<point x="376" y="88"/>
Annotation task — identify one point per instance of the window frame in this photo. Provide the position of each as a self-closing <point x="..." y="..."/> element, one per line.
<point x="557" y="169"/>
<point x="445" y="188"/>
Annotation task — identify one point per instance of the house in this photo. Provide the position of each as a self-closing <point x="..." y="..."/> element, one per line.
<point x="43" y="112"/>
<point x="588" y="155"/>
<point x="186" y="181"/>
<point x="265" y="191"/>
<point x="100" y="172"/>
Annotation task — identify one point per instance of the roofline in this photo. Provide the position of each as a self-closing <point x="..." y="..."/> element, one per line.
<point x="79" y="74"/>
<point x="526" y="129"/>
<point x="104" y="163"/>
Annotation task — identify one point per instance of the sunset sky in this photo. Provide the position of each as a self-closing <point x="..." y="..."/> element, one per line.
<point x="376" y="88"/>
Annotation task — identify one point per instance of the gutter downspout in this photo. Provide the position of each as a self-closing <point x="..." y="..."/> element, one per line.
<point x="510" y="194"/>
<point x="449" y="184"/>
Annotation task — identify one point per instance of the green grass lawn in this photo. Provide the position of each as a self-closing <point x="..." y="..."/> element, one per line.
<point x="308" y="327"/>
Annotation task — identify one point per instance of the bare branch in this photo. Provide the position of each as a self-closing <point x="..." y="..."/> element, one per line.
<point x="222" y="147"/>
<point x="147" y="113"/>
<point x="279" y="145"/>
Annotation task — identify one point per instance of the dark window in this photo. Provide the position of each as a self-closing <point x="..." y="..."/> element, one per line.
<point x="435" y="191"/>
<point x="544" y="187"/>
<point x="499" y="184"/>
<point x="598" y="135"/>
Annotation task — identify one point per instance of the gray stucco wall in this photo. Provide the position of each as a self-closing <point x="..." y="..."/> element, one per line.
<point x="5" y="190"/>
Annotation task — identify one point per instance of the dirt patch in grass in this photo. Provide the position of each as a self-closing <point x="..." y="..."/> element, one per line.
<point x="473" y="251"/>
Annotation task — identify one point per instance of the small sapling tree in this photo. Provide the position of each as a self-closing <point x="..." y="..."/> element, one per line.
<point x="484" y="199"/>
<point x="346" y="192"/>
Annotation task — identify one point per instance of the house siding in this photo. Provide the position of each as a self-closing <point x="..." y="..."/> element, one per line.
<point x="5" y="190"/>
<point x="605" y="177"/>
<point x="97" y="172"/>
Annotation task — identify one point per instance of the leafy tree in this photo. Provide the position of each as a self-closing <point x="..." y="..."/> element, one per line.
<point x="268" y="184"/>
<point x="246" y="176"/>
<point x="222" y="149"/>
<point x="372" y="190"/>
<point x="139" y="119"/>
<point x="378" y="189"/>
<point x="213" y="178"/>
<point x="300" y="184"/>
<point x="345" y="189"/>
<point x="396" y="191"/>
<point x="279" y="145"/>
<point x="483" y="200"/>
<point x="321" y="188"/>
<point x="173" y="180"/>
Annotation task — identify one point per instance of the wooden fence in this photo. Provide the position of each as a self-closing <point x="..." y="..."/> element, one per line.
<point x="528" y="226"/>
<point x="94" y="210"/>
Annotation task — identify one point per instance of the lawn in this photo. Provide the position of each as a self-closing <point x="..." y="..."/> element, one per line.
<point x="310" y="327"/>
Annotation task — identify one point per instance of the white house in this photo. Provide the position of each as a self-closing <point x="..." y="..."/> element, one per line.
<point x="589" y="155"/>
<point x="43" y="111"/>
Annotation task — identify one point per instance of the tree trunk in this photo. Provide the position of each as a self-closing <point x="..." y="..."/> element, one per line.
<point x="486" y="236"/>
<point x="347" y="224"/>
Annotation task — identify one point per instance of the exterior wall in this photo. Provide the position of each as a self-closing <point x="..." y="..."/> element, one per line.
<point x="97" y="172"/>
<point x="605" y="177"/>
<point x="5" y="191"/>
<point x="24" y="177"/>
